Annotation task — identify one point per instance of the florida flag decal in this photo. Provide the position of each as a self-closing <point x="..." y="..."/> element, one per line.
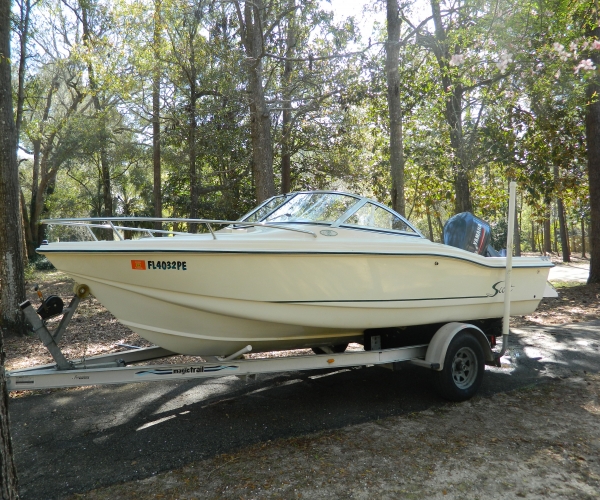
<point x="138" y="265"/>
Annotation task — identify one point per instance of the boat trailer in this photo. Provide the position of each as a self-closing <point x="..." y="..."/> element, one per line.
<point x="122" y="367"/>
<point x="457" y="352"/>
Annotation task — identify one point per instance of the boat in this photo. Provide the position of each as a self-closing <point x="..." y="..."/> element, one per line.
<point x="310" y="269"/>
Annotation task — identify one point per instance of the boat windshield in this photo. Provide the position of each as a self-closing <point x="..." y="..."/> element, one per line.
<point x="266" y="208"/>
<point x="376" y="217"/>
<point x="313" y="207"/>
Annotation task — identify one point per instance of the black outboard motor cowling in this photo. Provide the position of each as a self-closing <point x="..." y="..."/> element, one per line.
<point x="468" y="232"/>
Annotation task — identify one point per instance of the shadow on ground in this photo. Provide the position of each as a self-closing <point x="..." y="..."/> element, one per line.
<point x="70" y="441"/>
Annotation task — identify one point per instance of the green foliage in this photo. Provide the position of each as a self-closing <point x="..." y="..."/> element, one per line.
<point x="38" y="263"/>
<point x="521" y="107"/>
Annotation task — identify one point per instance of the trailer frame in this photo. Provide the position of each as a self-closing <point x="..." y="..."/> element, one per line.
<point x="122" y="367"/>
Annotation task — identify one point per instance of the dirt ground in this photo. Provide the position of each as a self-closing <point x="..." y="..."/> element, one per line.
<point x="542" y="441"/>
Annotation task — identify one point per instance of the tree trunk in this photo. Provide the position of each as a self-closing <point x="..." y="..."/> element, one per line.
<point x="41" y="229"/>
<point x="12" y="291"/>
<point x="33" y="243"/>
<point x="44" y="171"/>
<point x="193" y="228"/>
<point x="106" y="188"/>
<point x="260" y="118"/>
<point x="44" y="187"/>
<point x="25" y="221"/>
<point x="24" y="34"/>
<point x="156" y="194"/>
<point x="41" y="175"/>
<point x="190" y="71"/>
<point x="564" y="242"/>
<point x="440" y="227"/>
<point x="105" y="166"/>
<point x="547" y="234"/>
<point x="582" y="238"/>
<point x="286" y="130"/>
<point x="564" y="239"/>
<point x="592" y="130"/>
<point x="11" y="259"/>
<point x="453" y="115"/>
<point x="9" y="483"/>
<point x="533" y="246"/>
<point x="392" y="51"/>
<point x="429" y="225"/>
<point x="462" y="202"/>
<point x="23" y="214"/>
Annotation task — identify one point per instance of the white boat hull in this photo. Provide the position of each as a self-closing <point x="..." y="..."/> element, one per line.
<point x="296" y="292"/>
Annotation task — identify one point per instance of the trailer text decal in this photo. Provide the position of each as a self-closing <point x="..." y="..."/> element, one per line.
<point x="187" y="370"/>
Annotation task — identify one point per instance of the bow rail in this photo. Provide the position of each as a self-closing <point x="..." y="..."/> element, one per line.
<point x="109" y="223"/>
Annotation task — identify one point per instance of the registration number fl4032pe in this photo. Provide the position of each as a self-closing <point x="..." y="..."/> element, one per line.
<point x="163" y="265"/>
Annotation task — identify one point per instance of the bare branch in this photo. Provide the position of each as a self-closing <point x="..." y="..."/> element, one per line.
<point x="322" y="58"/>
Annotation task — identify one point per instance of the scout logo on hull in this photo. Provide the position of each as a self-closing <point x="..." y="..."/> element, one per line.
<point x="173" y="265"/>
<point x="499" y="287"/>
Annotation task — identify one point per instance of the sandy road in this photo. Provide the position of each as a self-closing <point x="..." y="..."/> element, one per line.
<point x="571" y="271"/>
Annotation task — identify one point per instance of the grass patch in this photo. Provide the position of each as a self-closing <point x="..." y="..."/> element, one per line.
<point x="566" y="284"/>
<point x="37" y="268"/>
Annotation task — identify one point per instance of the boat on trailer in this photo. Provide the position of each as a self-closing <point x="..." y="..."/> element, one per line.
<point x="313" y="269"/>
<point x="307" y="269"/>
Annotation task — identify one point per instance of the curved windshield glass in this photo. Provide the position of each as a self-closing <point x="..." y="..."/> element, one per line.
<point x="313" y="207"/>
<point x="374" y="216"/>
<point x="265" y="209"/>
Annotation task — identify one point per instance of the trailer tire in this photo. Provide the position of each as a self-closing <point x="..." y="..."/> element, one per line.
<point x="463" y="369"/>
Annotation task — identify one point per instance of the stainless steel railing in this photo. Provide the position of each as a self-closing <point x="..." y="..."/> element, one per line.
<point x="114" y="224"/>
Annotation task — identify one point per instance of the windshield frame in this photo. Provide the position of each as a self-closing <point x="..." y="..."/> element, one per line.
<point x="246" y="216"/>
<point x="339" y="222"/>
<point x="365" y="201"/>
<point x="344" y="214"/>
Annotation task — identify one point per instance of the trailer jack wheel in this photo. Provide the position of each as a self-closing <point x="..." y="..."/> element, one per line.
<point x="463" y="369"/>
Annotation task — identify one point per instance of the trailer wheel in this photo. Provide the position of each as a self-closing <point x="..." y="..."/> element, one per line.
<point x="463" y="369"/>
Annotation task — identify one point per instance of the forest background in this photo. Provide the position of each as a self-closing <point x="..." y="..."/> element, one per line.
<point x="204" y="108"/>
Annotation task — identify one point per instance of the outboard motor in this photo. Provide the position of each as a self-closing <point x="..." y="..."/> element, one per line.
<point x="468" y="232"/>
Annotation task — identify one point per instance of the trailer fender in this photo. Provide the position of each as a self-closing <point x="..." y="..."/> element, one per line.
<point x="436" y="352"/>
